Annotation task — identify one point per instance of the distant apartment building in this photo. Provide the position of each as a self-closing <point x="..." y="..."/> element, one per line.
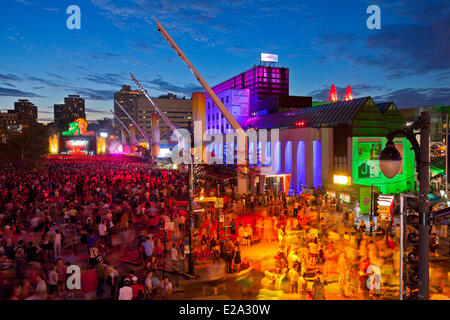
<point x="27" y="112"/>
<point x="179" y="112"/>
<point x="72" y="109"/>
<point x="127" y="98"/>
<point x="9" y="120"/>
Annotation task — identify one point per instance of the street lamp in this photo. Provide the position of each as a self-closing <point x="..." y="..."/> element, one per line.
<point x="390" y="162"/>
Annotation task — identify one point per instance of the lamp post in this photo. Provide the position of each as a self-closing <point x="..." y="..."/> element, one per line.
<point x="390" y="163"/>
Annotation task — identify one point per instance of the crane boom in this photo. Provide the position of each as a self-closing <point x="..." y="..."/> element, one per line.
<point x="161" y="113"/>
<point x="120" y="121"/>
<point x="135" y="124"/>
<point x="234" y="124"/>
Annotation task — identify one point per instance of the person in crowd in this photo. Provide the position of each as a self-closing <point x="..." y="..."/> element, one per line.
<point x="166" y="288"/>
<point x="126" y="293"/>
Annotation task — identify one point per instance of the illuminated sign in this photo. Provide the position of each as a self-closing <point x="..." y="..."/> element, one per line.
<point x="240" y="102"/>
<point x="368" y="163"/>
<point x="269" y="57"/>
<point x="104" y="134"/>
<point x="78" y="128"/>
<point x="345" y="197"/>
<point x="385" y="206"/>
<point x="164" y="153"/>
<point x="344" y="180"/>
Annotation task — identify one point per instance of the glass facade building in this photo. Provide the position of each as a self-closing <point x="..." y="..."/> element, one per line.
<point x="262" y="81"/>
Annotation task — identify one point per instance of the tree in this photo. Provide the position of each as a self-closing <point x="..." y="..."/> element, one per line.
<point x="25" y="149"/>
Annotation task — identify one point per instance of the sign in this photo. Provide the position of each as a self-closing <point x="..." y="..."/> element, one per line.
<point x="201" y="210"/>
<point x="218" y="203"/>
<point x="364" y="199"/>
<point x="221" y="218"/>
<point x="205" y="199"/>
<point x="269" y="57"/>
<point x="307" y="191"/>
<point x="78" y="128"/>
<point x="240" y="99"/>
<point x="344" y="180"/>
<point x="385" y="206"/>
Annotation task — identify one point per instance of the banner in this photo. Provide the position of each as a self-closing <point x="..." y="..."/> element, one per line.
<point x="364" y="200"/>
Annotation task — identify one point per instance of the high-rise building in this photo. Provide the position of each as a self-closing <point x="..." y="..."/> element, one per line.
<point x="72" y="109"/>
<point x="27" y="112"/>
<point x="260" y="91"/>
<point x="262" y="81"/>
<point x="179" y="112"/>
<point x="127" y="97"/>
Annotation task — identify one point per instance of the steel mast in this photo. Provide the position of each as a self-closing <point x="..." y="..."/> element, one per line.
<point x="135" y="124"/>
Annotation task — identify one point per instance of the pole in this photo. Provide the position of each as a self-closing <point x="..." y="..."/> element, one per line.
<point x="424" y="186"/>
<point x="446" y="153"/>
<point x="402" y="232"/>
<point x="191" y="197"/>
<point x="371" y="209"/>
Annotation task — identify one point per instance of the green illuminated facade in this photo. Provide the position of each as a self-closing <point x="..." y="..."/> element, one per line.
<point x="366" y="167"/>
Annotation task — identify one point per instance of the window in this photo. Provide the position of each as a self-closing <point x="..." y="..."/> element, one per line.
<point x="228" y="99"/>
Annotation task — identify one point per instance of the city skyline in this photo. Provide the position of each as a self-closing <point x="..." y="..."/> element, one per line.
<point x="329" y="43"/>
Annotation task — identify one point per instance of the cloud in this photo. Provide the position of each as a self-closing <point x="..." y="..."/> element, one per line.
<point x="140" y="45"/>
<point x="239" y="51"/>
<point x="8" y="84"/>
<point x="95" y="110"/>
<point x="97" y="55"/>
<point x="93" y="94"/>
<point x="52" y="9"/>
<point x="111" y="79"/>
<point x="26" y="2"/>
<point x="9" y="77"/>
<point x="164" y="86"/>
<point x="415" y="97"/>
<point x="409" y="49"/>
<point x="7" y="92"/>
<point x="415" y="45"/>
<point x="45" y="82"/>
<point x="54" y="75"/>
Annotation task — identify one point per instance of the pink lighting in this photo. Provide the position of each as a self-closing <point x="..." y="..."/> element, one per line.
<point x="333" y="94"/>
<point x="348" y="94"/>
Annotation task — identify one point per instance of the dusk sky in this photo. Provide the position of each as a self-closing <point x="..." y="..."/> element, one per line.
<point x="321" y="42"/>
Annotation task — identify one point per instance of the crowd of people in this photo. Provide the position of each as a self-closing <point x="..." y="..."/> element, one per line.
<point x="99" y="212"/>
<point x="79" y="212"/>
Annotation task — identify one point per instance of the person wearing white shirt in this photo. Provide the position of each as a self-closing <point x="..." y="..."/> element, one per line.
<point x="126" y="293"/>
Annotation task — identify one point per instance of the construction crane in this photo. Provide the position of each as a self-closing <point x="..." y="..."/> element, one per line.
<point x="135" y="124"/>
<point x="234" y="124"/>
<point x="120" y="121"/>
<point x="242" y="180"/>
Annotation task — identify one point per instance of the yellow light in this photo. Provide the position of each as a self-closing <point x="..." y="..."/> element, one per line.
<point x="53" y="144"/>
<point x="201" y="198"/>
<point x="345" y="180"/>
<point x="101" y="146"/>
